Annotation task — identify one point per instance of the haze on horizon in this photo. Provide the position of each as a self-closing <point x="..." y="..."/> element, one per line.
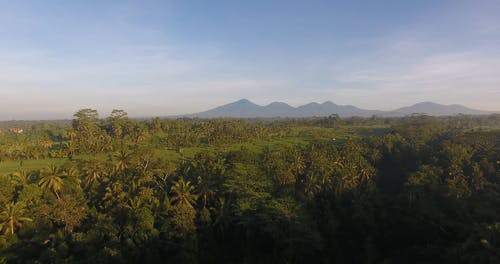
<point x="173" y="57"/>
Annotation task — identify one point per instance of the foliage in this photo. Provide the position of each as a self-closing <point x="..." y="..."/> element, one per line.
<point x="417" y="189"/>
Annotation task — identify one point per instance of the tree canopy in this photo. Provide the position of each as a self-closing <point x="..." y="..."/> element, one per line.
<point x="417" y="189"/>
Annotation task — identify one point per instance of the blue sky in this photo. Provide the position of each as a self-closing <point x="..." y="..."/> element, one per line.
<point x="171" y="57"/>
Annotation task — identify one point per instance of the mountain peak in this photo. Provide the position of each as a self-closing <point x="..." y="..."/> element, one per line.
<point x="432" y="108"/>
<point x="329" y="103"/>
<point x="277" y="103"/>
<point x="314" y="104"/>
<point x="426" y="103"/>
<point x="243" y="101"/>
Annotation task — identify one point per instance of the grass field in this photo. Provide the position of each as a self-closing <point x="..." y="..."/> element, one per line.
<point x="297" y="136"/>
<point x="7" y="167"/>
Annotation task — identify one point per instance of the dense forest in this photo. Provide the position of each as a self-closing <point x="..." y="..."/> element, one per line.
<point x="414" y="189"/>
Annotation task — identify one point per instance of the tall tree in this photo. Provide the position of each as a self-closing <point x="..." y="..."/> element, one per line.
<point x="87" y="129"/>
<point x="184" y="212"/>
<point x="51" y="180"/>
<point x="116" y="123"/>
<point x="93" y="171"/>
<point x="182" y="192"/>
<point x="123" y="159"/>
<point x="12" y="216"/>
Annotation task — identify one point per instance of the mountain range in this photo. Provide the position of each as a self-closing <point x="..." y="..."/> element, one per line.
<point x="246" y="109"/>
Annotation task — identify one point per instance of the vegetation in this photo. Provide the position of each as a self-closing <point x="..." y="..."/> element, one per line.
<point x="319" y="190"/>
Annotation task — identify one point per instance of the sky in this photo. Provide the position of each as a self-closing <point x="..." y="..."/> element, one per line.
<point x="159" y="58"/>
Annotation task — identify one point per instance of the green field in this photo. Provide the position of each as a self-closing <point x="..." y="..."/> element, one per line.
<point x="297" y="136"/>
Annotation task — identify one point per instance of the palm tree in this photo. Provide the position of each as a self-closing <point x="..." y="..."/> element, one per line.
<point x="184" y="212"/>
<point x="20" y="178"/>
<point x="122" y="160"/>
<point x="70" y="147"/>
<point x="46" y="144"/>
<point x="71" y="176"/>
<point x="182" y="192"/>
<point x="93" y="172"/>
<point x="11" y="217"/>
<point x="206" y="187"/>
<point x="312" y="184"/>
<point x="297" y="166"/>
<point x="71" y="134"/>
<point x="222" y="215"/>
<point x="51" y="180"/>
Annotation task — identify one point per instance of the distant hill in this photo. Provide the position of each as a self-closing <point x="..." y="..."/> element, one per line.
<point x="431" y="108"/>
<point x="246" y="109"/>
